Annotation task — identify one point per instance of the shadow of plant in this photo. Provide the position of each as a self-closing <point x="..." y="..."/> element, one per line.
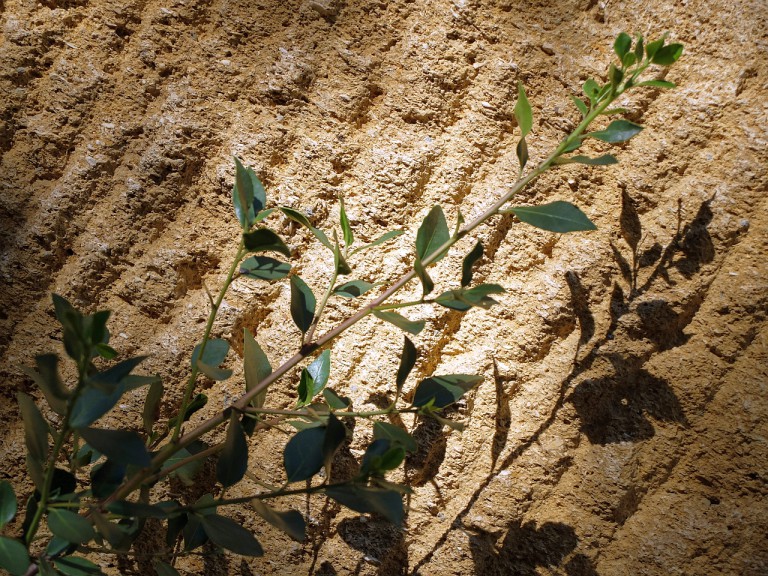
<point x="526" y="548"/>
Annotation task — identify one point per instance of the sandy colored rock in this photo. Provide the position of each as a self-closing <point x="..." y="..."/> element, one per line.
<point x="622" y="425"/>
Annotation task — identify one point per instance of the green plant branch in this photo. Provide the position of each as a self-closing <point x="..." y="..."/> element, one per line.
<point x="190" y="388"/>
<point x="310" y="347"/>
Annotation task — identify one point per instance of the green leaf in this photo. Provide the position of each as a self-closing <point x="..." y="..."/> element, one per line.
<point x="335" y="435"/>
<point x="339" y="263"/>
<point x="121" y="446"/>
<point x="242" y="196"/>
<point x="346" y="230"/>
<point x="35" y="428"/>
<point x="47" y="378"/>
<point x="151" y="409"/>
<point x="187" y="472"/>
<point x="302" y="304"/>
<point x="114" y="376"/>
<point x="466" y="298"/>
<point x="264" y="268"/>
<point x="628" y="60"/>
<point x="228" y="534"/>
<point x="70" y="526"/>
<point x="522" y="153"/>
<point x="395" y="434"/>
<point x="14" y="556"/>
<point x="353" y="289"/>
<point x="667" y="55"/>
<point x="407" y="362"/>
<point x="299" y="217"/>
<point x="71" y="321"/>
<point x="557" y="216"/>
<point x="443" y="391"/>
<point x="369" y="500"/>
<point x="432" y="234"/>
<point x="591" y="89"/>
<point x="291" y="521"/>
<point x="583" y="108"/>
<point x="164" y="569"/>
<point x="658" y="84"/>
<point x="8" y="503"/>
<point x="213" y="372"/>
<point x="106" y="478"/>
<point x="256" y="367"/>
<point x="604" y="160"/>
<point x="380" y="457"/>
<point x="622" y="45"/>
<point x="410" y="326"/>
<point x="427" y="284"/>
<point x="194" y="533"/>
<point x="617" y="131"/>
<point x="58" y="547"/>
<point x="334" y="400"/>
<point x="573" y="145"/>
<point x="469" y="261"/>
<point x="653" y="47"/>
<point x="523" y="111"/>
<point x="320" y="370"/>
<point x="314" y="378"/>
<point x="233" y="459"/>
<point x="264" y="214"/>
<point x="76" y="566"/>
<point x="303" y="454"/>
<point x="112" y="532"/>
<point x="91" y="404"/>
<point x="36" y="471"/>
<point x="616" y="75"/>
<point x="214" y="354"/>
<point x="639" y="49"/>
<point x="380" y="240"/>
<point x="264" y="240"/>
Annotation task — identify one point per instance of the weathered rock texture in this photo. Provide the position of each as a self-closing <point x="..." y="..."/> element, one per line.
<point x="623" y="424"/>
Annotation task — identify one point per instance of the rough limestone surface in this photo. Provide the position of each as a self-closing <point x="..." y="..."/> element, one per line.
<point x="622" y="426"/>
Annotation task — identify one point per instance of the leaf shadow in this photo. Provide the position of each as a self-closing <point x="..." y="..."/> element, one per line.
<point x="526" y="548"/>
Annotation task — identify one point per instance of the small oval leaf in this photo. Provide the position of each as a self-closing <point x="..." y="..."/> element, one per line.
<point x="469" y="261"/>
<point x="122" y="446"/>
<point x="14" y="556"/>
<point x="557" y="216"/>
<point x="256" y="367"/>
<point x="264" y="268"/>
<point x="35" y="428"/>
<point x="523" y="112"/>
<point x="291" y="521"/>
<point x="70" y="526"/>
<point x="444" y="390"/>
<point x="8" y="503"/>
<point x="410" y="326"/>
<point x="302" y="304"/>
<point x="432" y="234"/>
<point x="353" y="289"/>
<point x="617" y="131"/>
<point x="264" y="240"/>
<point x="228" y="534"/>
<point x="303" y="454"/>
<point x="233" y="459"/>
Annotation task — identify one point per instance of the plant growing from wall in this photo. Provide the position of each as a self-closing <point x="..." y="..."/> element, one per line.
<point x="94" y="485"/>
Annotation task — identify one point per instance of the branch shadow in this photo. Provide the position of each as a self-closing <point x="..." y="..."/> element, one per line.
<point x="613" y="407"/>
